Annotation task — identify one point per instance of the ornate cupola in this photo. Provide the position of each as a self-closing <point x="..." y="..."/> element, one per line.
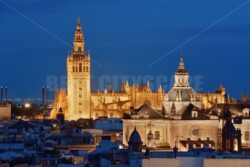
<point x="181" y="94"/>
<point x="135" y="142"/>
<point x="181" y="75"/>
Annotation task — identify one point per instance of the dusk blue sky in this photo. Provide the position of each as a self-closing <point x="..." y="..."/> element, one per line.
<point x="125" y="37"/>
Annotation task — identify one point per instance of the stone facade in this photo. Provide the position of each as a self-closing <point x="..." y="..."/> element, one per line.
<point x="189" y="119"/>
<point x="78" y="77"/>
<point x="79" y="102"/>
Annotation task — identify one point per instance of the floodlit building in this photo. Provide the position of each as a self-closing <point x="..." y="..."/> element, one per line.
<point x="79" y="102"/>
<point x="5" y="111"/>
<point x="185" y="123"/>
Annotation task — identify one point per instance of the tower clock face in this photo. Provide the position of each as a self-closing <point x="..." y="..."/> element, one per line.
<point x="195" y="131"/>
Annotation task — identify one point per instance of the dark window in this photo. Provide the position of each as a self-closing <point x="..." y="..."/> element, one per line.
<point x="157" y="135"/>
<point x="80" y="67"/>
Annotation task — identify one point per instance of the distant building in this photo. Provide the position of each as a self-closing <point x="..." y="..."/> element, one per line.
<point x="5" y="111"/>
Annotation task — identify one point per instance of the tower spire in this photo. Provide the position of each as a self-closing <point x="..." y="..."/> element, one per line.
<point x="181" y="68"/>
<point x="78" y="39"/>
<point x="181" y="64"/>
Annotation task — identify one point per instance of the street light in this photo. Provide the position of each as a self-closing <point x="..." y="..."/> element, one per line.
<point x="27" y="105"/>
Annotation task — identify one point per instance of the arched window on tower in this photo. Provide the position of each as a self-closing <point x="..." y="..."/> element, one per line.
<point x="80" y="67"/>
<point x="73" y="68"/>
<point x="87" y="69"/>
<point x="76" y="70"/>
<point x="84" y="69"/>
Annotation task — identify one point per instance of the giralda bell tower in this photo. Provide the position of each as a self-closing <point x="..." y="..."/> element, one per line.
<point x="78" y="77"/>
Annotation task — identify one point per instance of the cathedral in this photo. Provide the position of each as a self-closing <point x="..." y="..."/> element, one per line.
<point x="180" y="118"/>
<point x="79" y="102"/>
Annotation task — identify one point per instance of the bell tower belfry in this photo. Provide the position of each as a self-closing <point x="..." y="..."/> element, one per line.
<point x="78" y="78"/>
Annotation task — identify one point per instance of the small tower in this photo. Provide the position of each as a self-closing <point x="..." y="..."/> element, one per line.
<point x="231" y="137"/>
<point x="127" y="87"/>
<point x="135" y="142"/>
<point x="60" y="116"/>
<point x="148" y="87"/>
<point x="244" y="98"/>
<point x="160" y="91"/>
<point x="78" y="77"/>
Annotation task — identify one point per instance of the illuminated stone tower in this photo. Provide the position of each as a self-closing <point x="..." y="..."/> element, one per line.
<point x="78" y="76"/>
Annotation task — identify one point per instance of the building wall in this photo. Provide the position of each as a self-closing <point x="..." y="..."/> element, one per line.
<point x="172" y="131"/>
<point x="245" y="131"/>
<point x="193" y="129"/>
<point x="226" y="162"/>
<point x="5" y="111"/>
<point x="144" y="127"/>
<point x="160" y="162"/>
<point x="78" y="88"/>
<point x="194" y="162"/>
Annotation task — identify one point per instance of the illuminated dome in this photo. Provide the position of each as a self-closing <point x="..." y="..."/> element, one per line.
<point x="182" y="91"/>
<point x="181" y="95"/>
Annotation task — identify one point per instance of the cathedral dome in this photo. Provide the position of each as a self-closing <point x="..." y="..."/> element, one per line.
<point x="182" y="94"/>
<point x="182" y="91"/>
